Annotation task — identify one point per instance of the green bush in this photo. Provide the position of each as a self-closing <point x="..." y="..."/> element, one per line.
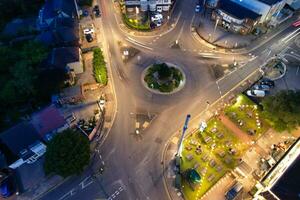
<point x="137" y="26"/>
<point x="99" y="65"/>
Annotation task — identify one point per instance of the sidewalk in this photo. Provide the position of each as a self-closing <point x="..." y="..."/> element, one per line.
<point x="223" y="39"/>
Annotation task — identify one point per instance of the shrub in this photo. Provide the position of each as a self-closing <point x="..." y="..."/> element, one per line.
<point x="99" y="65"/>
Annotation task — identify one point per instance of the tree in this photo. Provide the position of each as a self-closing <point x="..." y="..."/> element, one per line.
<point x="67" y="154"/>
<point x="163" y="71"/>
<point x="283" y="110"/>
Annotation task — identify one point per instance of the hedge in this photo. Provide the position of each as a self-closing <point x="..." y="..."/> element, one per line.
<point x="99" y="65"/>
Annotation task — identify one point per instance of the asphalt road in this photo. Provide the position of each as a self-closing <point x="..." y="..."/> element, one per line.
<point x="133" y="168"/>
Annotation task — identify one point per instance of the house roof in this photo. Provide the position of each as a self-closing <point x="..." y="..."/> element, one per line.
<point x="236" y="10"/>
<point x="19" y="137"/>
<point x="61" y="36"/>
<point x="60" y="57"/>
<point x="270" y="2"/>
<point x="54" y="8"/>
<point x="47" y="120"/>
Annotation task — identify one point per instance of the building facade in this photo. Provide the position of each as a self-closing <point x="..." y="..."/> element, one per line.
<point x="235" y="17"/>
<point x="149" y="5"/>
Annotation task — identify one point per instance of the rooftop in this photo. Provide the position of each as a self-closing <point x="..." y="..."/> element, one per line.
<point x="19" y="137"/>
<point x="270" y="2"/>
<point x="47" y="120"/>
<point x="237" y="10"/>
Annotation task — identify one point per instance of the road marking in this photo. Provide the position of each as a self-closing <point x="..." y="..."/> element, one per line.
<point x="289" y="35"/>
<point x="297" y="70"/>
<point x="290" y="38"/>
<point x="138" y="43"/>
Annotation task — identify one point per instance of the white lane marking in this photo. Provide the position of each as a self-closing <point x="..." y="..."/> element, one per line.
<point x="138" y="43"/>
<point x="286" y="41"/>
<point x="289" y="35"/>
<point x="208" y="55"/>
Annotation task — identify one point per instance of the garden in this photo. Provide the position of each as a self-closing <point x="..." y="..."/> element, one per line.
<point x="163" y="78"/>
<point x="99" y="65"/>
<point x="211" y="153"/>
<point x="247" y="116"/>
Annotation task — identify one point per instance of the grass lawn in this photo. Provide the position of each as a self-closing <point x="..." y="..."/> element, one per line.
<point x="220" y="152"/>
<point x="247" y="115"/>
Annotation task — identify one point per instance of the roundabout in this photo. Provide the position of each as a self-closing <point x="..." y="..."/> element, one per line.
<point x="163" y="78"/>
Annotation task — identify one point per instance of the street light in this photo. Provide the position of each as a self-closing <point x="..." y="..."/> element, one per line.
<point x="185" y="127"/>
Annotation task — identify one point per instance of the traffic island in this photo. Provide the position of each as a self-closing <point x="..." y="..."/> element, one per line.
<point x="163" y="78"/>
<point x="274" y="69"/>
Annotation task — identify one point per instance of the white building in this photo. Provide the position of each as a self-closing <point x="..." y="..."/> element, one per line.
<point x="149" y="5"/>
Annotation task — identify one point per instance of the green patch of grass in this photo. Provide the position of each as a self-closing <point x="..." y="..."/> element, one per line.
<point x="246" y="111"/>
<point x="99" y="65"/>
<point x="221" y="140"/>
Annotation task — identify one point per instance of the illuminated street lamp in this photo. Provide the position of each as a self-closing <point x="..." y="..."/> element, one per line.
<point x="185" y="127"/>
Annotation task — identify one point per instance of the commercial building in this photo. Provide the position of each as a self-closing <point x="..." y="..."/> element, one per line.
<point x="148" y="5"/>
<point x="242" y="16"/>
<point x="235" y="17"/>
<point x="282" y="181"/>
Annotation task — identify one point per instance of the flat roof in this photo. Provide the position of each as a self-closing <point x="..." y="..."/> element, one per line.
<point x="270" y="2"/>
<point x="236" y="10"/>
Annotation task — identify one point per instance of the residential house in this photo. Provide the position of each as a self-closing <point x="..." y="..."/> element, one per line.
<point x="56" y="9"/>
<point x="235" y="17"/>
<point x="68" y="58"/>
<point x="22" y="145"/>
<point x="48" y="122"/>
<point x="62" y="33"/>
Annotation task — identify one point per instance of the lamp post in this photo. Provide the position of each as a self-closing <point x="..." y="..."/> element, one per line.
<point x="185" y="127"/>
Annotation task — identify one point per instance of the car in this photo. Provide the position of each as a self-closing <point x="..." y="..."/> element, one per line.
<point x="89" y="37"/>
<point x="88" y="31"/>
<point x="85" y="13"/>
<point x="158" y="23"/>
<point x="256" y="93"/>
<point x="296" y="23"/>
<point x="197" y="9"/>
<point x="156" y="17"/>
<point x="261" y="87"/>
<point x="266" y="81"/>
<point x="159" y="9"/>
<point x="97" y="11"/>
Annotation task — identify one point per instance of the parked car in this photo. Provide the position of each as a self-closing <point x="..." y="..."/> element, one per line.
<point x="197" y="9"/>
<point x="261" y="87"/>
<point x="266" y="81"/>
<point x="156" y="17"/>
<point x="256" y="93"/>
<point x="85" y="13"/>
<point x="159" y="9"/>
<point x="89" y="37"/>
<point x="97" y="11"/>
<point x="158" y="23"/>
<point x="88" y="31"/>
